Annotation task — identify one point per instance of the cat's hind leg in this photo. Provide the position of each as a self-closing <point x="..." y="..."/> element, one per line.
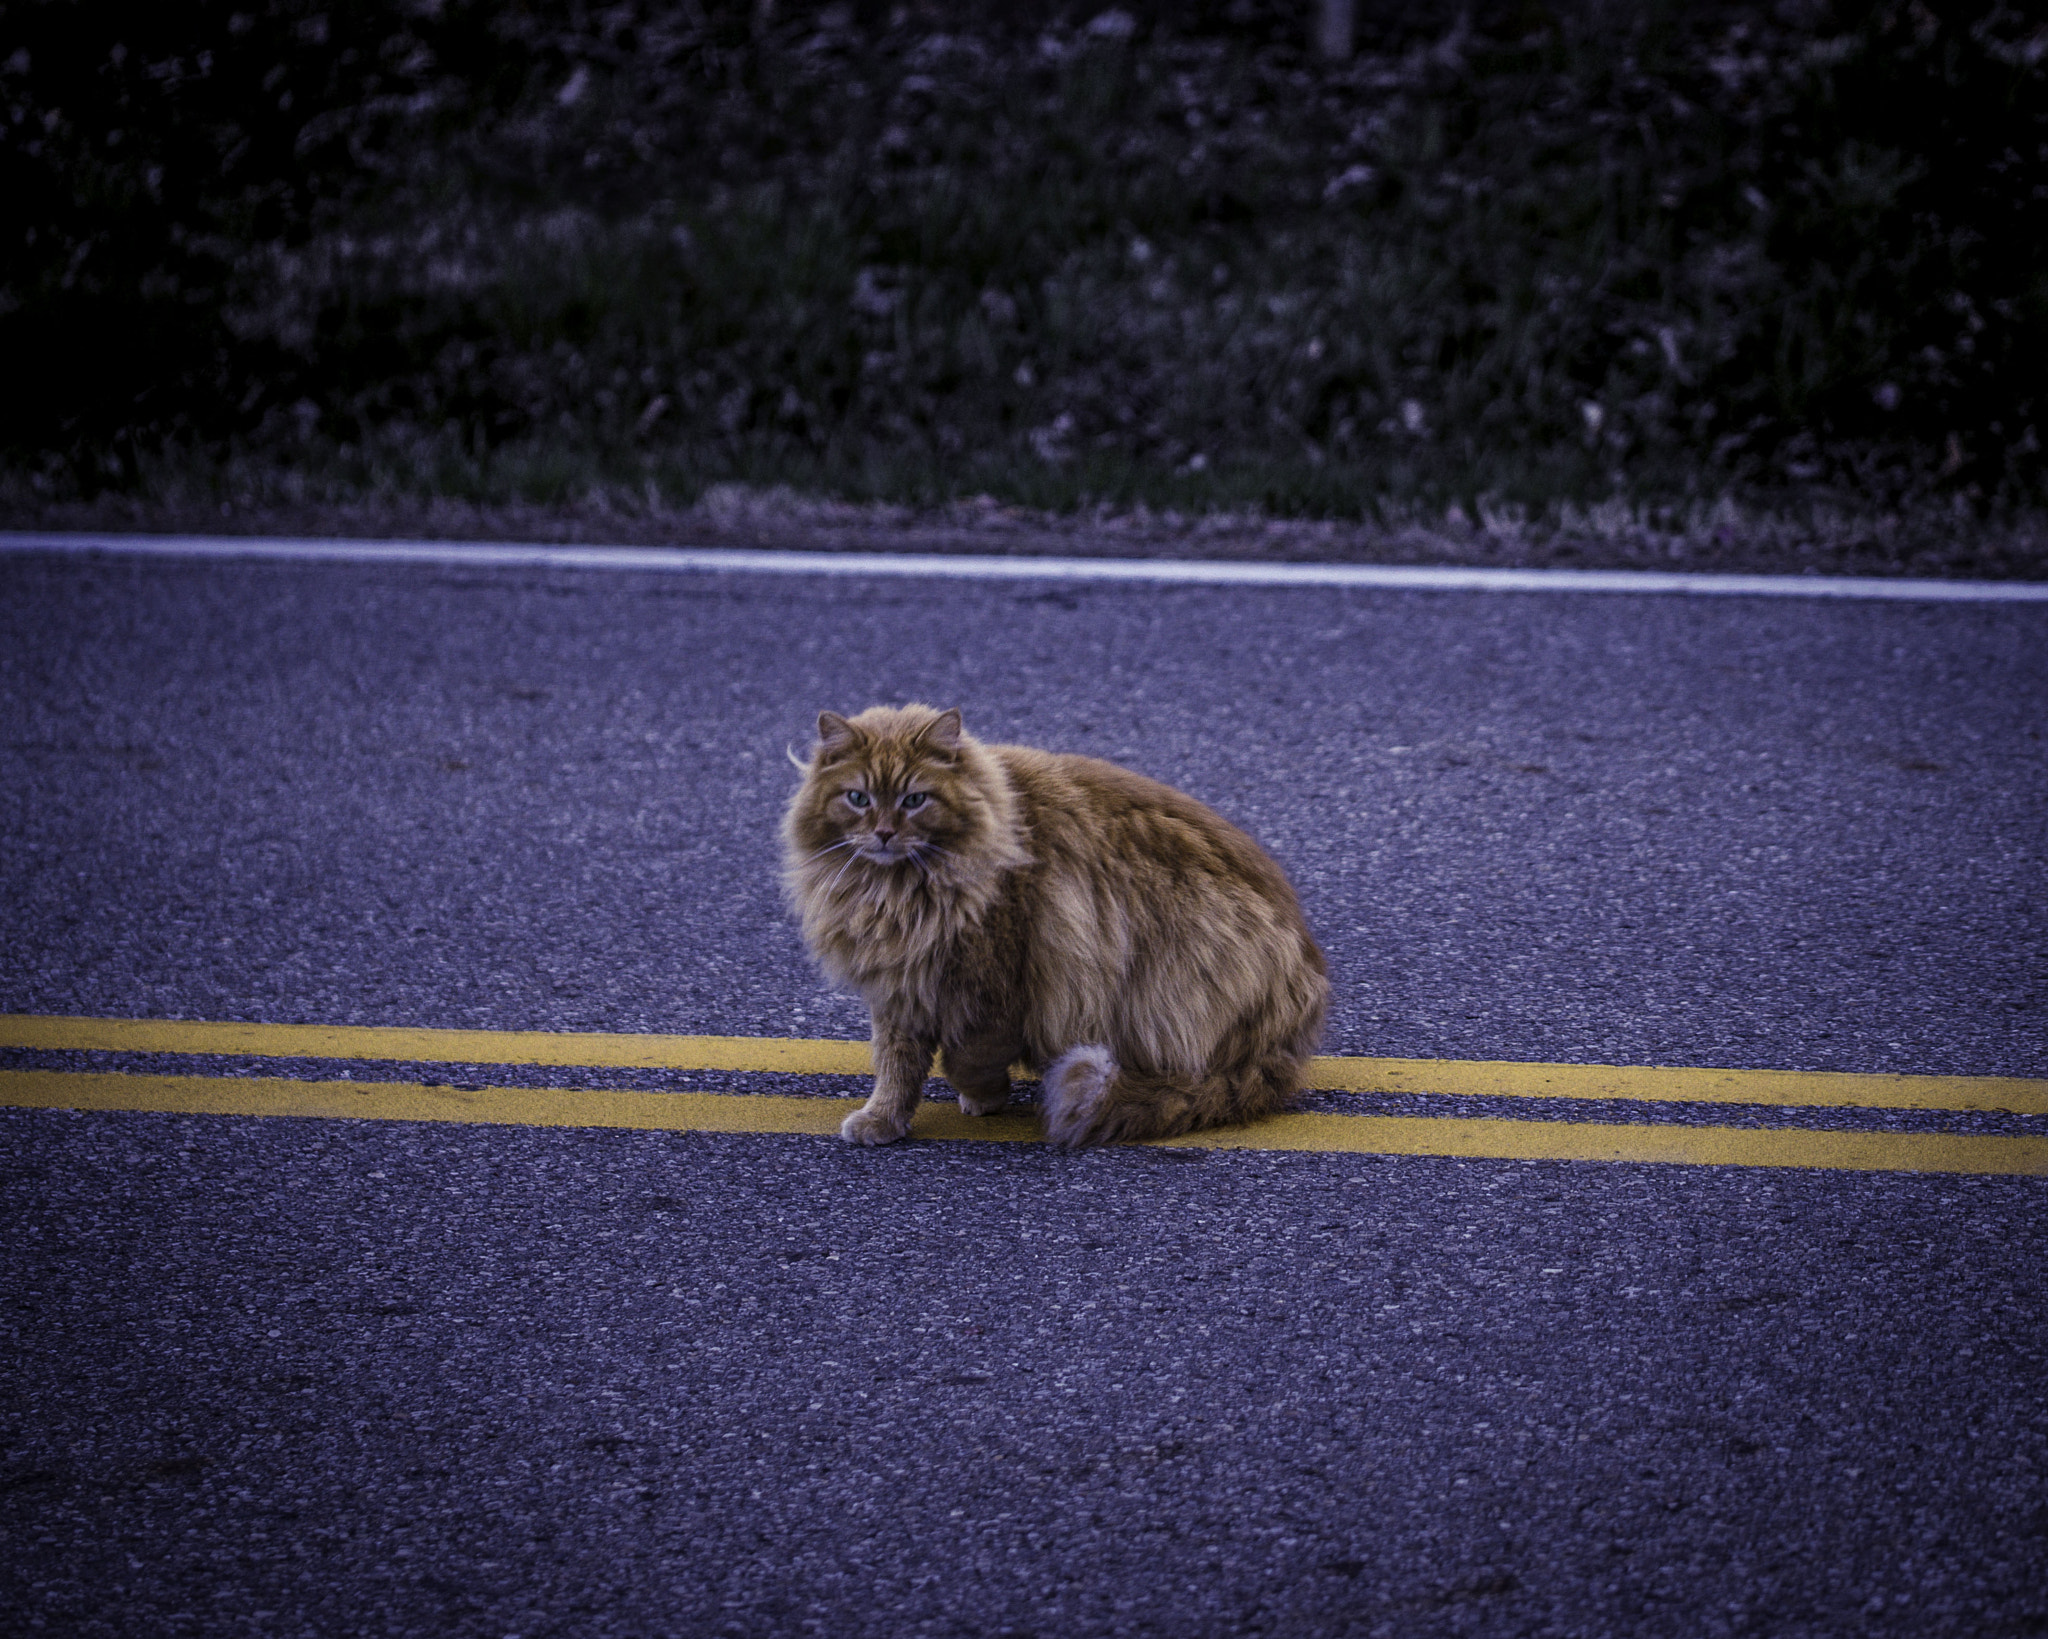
<point x="980" y="1073"/>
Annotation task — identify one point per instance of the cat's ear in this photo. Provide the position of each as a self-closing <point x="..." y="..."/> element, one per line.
<point x="943" y="732"/>
<point x="835" y="734"/>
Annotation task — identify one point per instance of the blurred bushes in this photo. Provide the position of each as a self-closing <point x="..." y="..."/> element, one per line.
<point x="1151" y="254"/>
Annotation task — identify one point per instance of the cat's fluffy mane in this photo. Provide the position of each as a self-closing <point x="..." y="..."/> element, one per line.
<point x="1001" y="903"/>
<point x="869" y="925"/>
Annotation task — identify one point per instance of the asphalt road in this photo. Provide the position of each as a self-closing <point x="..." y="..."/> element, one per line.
<point x="337" y="1377"/>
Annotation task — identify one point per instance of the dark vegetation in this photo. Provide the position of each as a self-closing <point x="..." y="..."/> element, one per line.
<point x="1508" y="262"/>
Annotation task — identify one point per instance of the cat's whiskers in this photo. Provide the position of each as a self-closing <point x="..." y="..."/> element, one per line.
<point x="832" y="847"/>
<point x="832" y="886"/>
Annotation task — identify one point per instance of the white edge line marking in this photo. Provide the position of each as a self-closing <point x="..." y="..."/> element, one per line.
<point x="1158" y="571"/>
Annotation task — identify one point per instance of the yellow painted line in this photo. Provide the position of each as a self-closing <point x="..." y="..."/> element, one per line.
<point x="408" y="1101"/>
<point x="1478" y="1078"/>
<point x="798" y="1056"/>
<point x="585" y="1049"/>
<point x="730" y="1113"/>
<point x="1616" y="1141"/>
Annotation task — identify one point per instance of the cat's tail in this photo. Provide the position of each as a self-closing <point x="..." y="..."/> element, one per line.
<point x="1091" y="1099"/>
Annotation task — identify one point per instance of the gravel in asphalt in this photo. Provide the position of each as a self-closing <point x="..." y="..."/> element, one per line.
<point x="308" y="1377"/>
<point x="333" y="1377"/>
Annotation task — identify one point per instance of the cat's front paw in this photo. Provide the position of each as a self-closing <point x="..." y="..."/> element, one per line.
<point x="871" y="1126"/>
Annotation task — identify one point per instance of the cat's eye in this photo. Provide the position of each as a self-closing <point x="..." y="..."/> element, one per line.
<point x="857" y="799"/>
<point x="914" y="800"/>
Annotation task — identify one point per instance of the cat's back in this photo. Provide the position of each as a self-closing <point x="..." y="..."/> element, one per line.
<point x="1100" y="818"/>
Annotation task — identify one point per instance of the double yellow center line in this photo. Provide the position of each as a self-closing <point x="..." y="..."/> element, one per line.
<point x="1875" y="1151"/>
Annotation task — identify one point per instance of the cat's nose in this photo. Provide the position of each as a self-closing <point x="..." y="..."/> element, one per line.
<point x="882" y="836"/>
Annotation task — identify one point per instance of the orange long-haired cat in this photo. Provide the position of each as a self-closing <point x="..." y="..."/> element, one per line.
<point x="997" y="903"/>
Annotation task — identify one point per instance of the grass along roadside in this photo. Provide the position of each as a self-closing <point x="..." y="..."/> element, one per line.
<point x="1820" y="537"/>
<point x="1728" y="286"/>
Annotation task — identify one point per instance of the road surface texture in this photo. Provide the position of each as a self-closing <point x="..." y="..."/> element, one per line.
<point x="296" y="1376"/>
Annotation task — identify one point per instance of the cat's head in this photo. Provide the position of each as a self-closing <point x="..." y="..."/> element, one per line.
<point x="893" y="788"/>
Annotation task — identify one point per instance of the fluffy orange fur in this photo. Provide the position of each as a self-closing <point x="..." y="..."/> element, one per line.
<point x="998" y="904"/>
